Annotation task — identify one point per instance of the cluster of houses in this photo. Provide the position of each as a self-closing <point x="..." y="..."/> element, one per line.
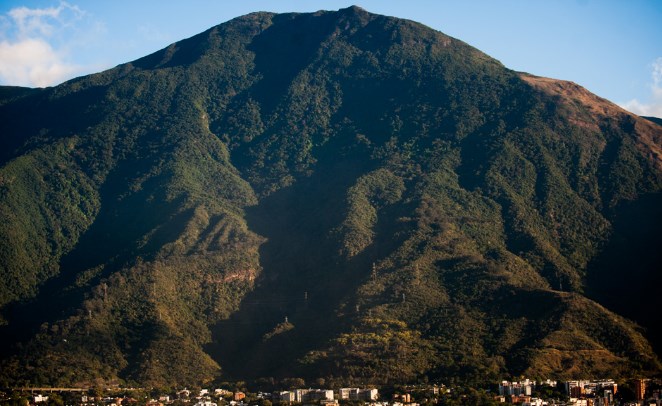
<point x="524" y="387"/>
<point x="325" y="396"/>
<point x="601" y="392"/>
<point x="520" y="393"/>
<point x="580" y="393"/>
<point x="577" y="393"/>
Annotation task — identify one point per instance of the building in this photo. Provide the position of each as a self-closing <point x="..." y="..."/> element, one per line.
<point x="322" y="394"/>
<point x="520" y="399"/>
<point x="358" y="394"/>
<point x="284" y="396"/>
<point x="369" y="394"/>
<point x="515" y="388"/>
<point x="40" y="398"/>
<point x="607" y="398"/>
<point x="238" y="396"/>
<point x="312" y="395"/>
<point x="577" y="392"/>
<point x="343" y="393"/>
<point x="639" y="389"/>
<point x="569" y="385"/>
<point x="205" y="403"/>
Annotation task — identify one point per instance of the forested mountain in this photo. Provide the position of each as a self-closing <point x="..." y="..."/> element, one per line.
<point x="336" y="195"/>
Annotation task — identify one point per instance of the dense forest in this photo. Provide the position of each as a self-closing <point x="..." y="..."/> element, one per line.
<point x="336" y="196"/>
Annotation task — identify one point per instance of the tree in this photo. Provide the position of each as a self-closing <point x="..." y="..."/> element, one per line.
<point x="54" y="399"/>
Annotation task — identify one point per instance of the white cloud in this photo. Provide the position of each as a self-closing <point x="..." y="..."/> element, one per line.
<point x="643" y="109"/>
<point x="34" y="45"/>
<point x="654" y="106"/>
<point x="44" y="21"/>
<point x="33" y="62"/>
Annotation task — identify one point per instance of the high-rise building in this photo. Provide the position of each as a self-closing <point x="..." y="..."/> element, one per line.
<point x="639" y="389"/>
<point x="577" y="391"/>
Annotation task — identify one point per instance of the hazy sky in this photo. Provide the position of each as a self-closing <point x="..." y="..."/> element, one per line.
<point x="612" y="47"/>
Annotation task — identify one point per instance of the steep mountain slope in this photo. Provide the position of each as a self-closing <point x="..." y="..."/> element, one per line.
<point x="335" y="195"/>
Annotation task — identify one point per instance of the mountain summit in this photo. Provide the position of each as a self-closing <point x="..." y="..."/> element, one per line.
<point x="336" y="195"/>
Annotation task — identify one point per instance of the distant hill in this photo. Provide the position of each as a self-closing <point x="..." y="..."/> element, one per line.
<point x="656" y="120"/>
<point x="337" y="195"/>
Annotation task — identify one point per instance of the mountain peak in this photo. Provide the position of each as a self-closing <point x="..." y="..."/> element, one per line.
<point x="353" y="10"/>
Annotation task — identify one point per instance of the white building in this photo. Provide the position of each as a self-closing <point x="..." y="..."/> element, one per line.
<point x="535" y="402"/>
<point x="358" y="394"/>
<point x="370" y="394"/>
<point x="205" y="403"/>
<point x="312" y="395"/>
<point x="323" y="394"/>
<point x="343" y="393"/>
<point x="515" y="388"/>
<point x="284" y="396"/>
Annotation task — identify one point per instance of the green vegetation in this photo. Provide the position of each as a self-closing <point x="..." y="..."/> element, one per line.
<point x="337" y="196"/>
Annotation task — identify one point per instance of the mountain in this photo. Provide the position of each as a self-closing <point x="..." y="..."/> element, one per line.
<point x="338" y="195"/>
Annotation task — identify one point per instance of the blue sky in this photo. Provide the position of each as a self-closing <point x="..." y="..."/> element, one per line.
<point x="613" y="48"/>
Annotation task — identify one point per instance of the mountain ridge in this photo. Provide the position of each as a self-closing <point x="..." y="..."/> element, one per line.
<point x="286" y="195"/>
